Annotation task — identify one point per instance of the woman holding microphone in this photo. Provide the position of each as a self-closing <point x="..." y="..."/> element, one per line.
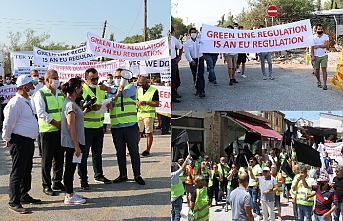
<point x="73" y="136"/>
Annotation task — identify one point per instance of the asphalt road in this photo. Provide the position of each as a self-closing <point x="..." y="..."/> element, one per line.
<point x="293" y="89"/>
<point x="124" y="201"/>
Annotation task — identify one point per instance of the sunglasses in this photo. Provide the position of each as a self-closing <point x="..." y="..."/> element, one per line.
<point x="36" y="75"/>
<point x="94" y="79"/>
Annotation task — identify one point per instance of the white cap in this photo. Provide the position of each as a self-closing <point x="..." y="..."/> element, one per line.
<point x="266" y="169"/>
<point x="24" y="79"/>
<point x="259" y="170"/>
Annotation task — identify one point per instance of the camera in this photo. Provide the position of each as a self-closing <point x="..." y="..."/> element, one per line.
<point x="88" y="102"/>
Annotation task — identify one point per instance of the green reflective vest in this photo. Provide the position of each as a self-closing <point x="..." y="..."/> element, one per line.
<point x="301" y="192"/>
<point x="129" y="115"/>
<point x="145" y="111"/>
<point x="201" y="211"/>
<point x="91" y="119"/>
<point x="255" y="172"/>
<point x="221" y="168"/>
<point x="177" y="189"/>
<point x="210" y="182"/>
<point x="53" y="107"/>
<point x="279" y="186"/>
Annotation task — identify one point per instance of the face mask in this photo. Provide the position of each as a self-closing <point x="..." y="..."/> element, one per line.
<point x="117" y="82"/>
<point x="55" y="84"/>
<point x="321" y="184"/>
<point x="110" y="81"/>
<point x="166" y="85"/>
<point x="92" y="86"/>
<point x="8" y="81"/>
<point x="193" y="35"/>
<point x="235" y="28"/>
<point x="35" y="78"/>
<point x="320" y="32"/>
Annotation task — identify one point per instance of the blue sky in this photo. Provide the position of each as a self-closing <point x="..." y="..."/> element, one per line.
<point x="309" y="115"/>
<point x="69" y="21"/>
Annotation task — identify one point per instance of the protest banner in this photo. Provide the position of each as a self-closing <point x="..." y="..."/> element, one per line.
<point x="45" y="57"/>
<point x="165" y="76"/>
<point x="8" y="91"/>
<point x="22" y="59"/>
<point x="2" y="64"/>
<point x="148" y="66"/>
<point x="149" y="50"/>
<point x="276" y="38"/>
<point x="334" y="151"/>
<point x="164" y="94"/>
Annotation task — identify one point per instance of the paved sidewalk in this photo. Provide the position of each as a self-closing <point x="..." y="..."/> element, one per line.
<point x="124" y="201"/>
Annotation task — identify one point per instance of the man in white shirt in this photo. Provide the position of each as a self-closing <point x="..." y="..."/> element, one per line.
<point x="175" y="58"/>
<point x="196" y="62"/>
<point x="19" y="133"/>
<point x="320" y="56"/>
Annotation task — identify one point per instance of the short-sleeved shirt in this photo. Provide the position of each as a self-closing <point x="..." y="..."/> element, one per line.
<point x="320" y="52"/>
<point x="267" y="184"/>
<point x="66" y="141"/>
<point x="239" y="199"/>
<point x="324" y="199"/>
<point x="339" y="188"/>
<point x="175" y="45"/>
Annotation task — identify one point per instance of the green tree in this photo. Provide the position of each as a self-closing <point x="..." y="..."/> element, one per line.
<point x="179" y="26"/>
<point x="154" y="32"/>
<point x="333" y="4"/>
<point x="112" y="37"/>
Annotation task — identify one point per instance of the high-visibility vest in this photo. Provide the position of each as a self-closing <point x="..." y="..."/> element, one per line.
<point x="191" y="176"/>
<point x="210" y="182"/>
<point x="92" y="120"/>
<point x="255" y="172"/>
<point x="282" y="157"/>
<point x="146" y="111"/>
<point x="279" y="186"/>
<point x="177" y="189"/>
<point x="204" y="173"/>
<point x="129" y="115"/>
<point x="220" y="170"/>
<point x="53" y="107"/>
<point x="301" y="192"/>
<point x="201" y="211"/>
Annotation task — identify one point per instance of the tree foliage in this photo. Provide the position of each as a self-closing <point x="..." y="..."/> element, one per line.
<point x="153" y="33"/>
<point x="333" y="4"/>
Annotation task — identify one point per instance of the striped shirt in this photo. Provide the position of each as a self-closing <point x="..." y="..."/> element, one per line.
<point x="324" y="199"/>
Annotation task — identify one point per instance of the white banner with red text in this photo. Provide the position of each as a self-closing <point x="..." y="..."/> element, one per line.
<point x="334" y="151"/>
<point x="149" y="50"/>
<point x="164" y="94"/>
<point x="276" y="38"/>
<point x="45" y="57"/>
<point x="8" y="91"/>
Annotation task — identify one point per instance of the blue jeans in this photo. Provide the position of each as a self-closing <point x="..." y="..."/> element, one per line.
<point x="228" y="194"/>
<point x="263" y="57"/>
<point x="320" y="218"/>
<point x="95" y="139"/>
<point x="211" y="60"/>
<point x="198" y="74"/>
<point x="176" y="209"/>
<point x="304" y="211"/>
<point x="254" y="194"/>
<point x="338" y="211"/>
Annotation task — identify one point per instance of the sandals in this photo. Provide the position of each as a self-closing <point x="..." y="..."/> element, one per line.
<point x="226" y="209"/>
<point x="319" y="84"/>
<point x="325" y="87"/>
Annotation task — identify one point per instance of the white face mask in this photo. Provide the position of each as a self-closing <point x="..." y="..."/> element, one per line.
<point x="116" y="82"/>
<point x="193" y="35"/>
<point x="35" y="78"/>
<point x="8" y="81"/>
<point x="166" y="84"/>
<point x="55" y="84"/>
<point x="109" y="81"/>
<point x="92" y="85"/>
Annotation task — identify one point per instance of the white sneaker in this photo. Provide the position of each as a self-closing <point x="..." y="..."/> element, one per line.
<point x="77" y="195"/>
<point x="73" y="200"/>
<point x="254" y="214"/>
<point x="243" y="76"/>
<point x="238" y="70"/>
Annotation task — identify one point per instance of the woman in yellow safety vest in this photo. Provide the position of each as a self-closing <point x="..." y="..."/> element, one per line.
<point x="232" y="183"/>
<point x="214" y="183"/>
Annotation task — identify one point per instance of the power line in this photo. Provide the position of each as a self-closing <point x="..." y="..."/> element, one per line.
<point x="20" y="19"/>
<point x="139" y="11"/>
<point x="117" y="29"/>
<point x="29" y="23"/>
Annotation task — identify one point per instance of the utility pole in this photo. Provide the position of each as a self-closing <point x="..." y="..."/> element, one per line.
<point x="145" y="34"/>
<point x="103" y="31"/>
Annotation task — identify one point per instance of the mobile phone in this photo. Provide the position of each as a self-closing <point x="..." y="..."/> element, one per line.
<point x="100" y="83"/>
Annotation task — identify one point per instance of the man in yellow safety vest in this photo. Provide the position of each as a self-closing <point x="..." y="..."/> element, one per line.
<point x="147" y="101"/>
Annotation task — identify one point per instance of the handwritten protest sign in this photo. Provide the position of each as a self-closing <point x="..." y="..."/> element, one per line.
<point x="165" y="99"/>
<point x="22" y="60"/>
<point x="45" y="57"/>
<point x="165" y="77"/>
<point x="275" y="38"/>
<point x="8" y="91"/>
<point x="334" y="151"/>
<point x="149" y="50"/>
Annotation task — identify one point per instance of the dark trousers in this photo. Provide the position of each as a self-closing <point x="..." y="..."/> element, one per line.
<point x="127" y="136"/>
<point x="165" y="123"/>
<point x="177" y="79"/>
<point x="95" y="139"/>
<point x="214" y="189"/>
<point x="198" y="74"/>
<point x="173" y="78"/>
<point x="223" y="185"/>
<point x="38" y="141"/>
<point x="52" y="156"/>
<point x="69" y="170"/>
<point x="21" y="151"/>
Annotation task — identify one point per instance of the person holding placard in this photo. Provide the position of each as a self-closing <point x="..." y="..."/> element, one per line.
<point x="73" y="136"/>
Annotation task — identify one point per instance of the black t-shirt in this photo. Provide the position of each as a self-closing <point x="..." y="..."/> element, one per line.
<point x="215" y="180"/>
<point x="155" y="97"/>
<point x="234" y="180"/>
<point x="339" y="188"/>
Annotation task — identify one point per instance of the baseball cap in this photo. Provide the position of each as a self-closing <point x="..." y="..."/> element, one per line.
<point x="259" y="170"/>
<point x="266" y="169"/>
<point x="24" y="79"/>
<point x="323" y="177"/>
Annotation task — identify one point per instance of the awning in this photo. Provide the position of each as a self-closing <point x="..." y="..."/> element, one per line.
<point x="260" y="128"/>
